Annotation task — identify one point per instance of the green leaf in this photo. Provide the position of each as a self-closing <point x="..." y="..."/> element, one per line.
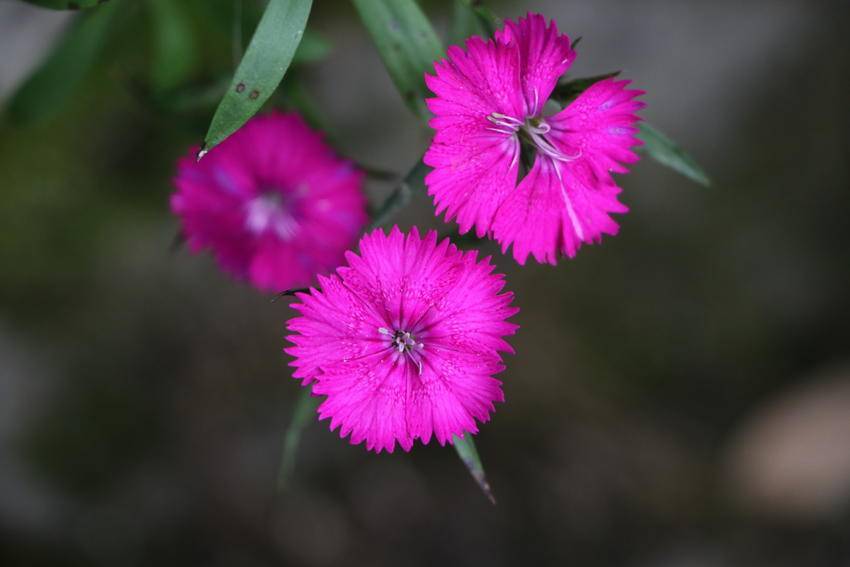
<point x="174" y="49"/>
<point x="305" y="409"/>
<point x="66" y="4"/>
<point x="43" y="94"/>
<point x="413" y="181"/>
<point x="467" y="452"/>
<point x="262" y="67"/>
<point x="667" y="152"/>
<point x="566" y="91"/>
<point x="465" y="23"/>
<point x="407" y="44"/>
<point x="487" y="21"/>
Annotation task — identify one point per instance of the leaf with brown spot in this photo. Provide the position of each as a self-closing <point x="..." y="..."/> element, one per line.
<point x="262" y="67"/>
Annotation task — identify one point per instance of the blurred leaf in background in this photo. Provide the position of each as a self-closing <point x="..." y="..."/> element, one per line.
<point x="302" y="415"/>
<point x="66" y="4"/>
<point x="465" y="23"/>
<point x="174" y="52"/>
<point x="414" y="180"/>
<point x="471" y="17"/>
<point x="465" y="447"/>
<point x="43" y="94"/>
<point x="407" y="44"/>
<point x="667" y="152"/>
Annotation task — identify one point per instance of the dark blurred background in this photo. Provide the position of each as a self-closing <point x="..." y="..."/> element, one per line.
<point x="680" y="396"/>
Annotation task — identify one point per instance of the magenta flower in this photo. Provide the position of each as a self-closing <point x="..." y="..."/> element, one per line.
<point x="404" y="341"/>
<point x="490" y="101"/>
<point x="273" y="202"/>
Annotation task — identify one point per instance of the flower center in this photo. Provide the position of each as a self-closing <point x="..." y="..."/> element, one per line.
<point x="534" y="130"/>
<point x="269" y="212"/>
<point x="405" y="344"/>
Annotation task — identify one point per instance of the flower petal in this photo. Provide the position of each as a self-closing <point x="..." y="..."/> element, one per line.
<point x="471" y="179"/>
<point x="446" y="302"/>
<point x="335" y="327"/>
<point x="545" y="55"/>
<point x="366" y="399"/>
<point x="473" y="83"/>
<point x="554" y="210"/>
<point x="475" y="159"/>
<point x="599" y="128"/>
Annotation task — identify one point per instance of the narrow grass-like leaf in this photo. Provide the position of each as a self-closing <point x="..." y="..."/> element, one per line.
<point x="413" y="181"/>
<point x="569" y="89"/>
<point x="488" y="22"/>
<point x="377" y="173"/>
<point x="667" y="152"/>
<point x="43" y="94"/>
<point x="465" y="23"/>
<point x="66" y="4"/>
<point x="262" y="67"/>
<point x="407" y="44"/>
<point x="467" y="452"/>
<point x="305" y="409"/>
<point x="174" y="48"/>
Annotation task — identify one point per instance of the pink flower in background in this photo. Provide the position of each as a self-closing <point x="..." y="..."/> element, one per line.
<point x="404" y="341"/>
<point x="490" y="99"/>
<point x="273" y="202"/>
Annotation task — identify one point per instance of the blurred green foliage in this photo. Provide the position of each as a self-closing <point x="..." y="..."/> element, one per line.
<point x="407" y="44"/>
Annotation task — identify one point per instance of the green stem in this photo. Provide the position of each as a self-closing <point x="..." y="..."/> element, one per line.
<point x="305" y="406"/>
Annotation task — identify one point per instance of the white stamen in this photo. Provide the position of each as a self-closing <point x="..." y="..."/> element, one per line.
<point x="537" y="135"/>
<point x="404" y="343"/>
<point x="542" y="128"/>
<point x="505" y="122"/>
<point x="516" y="148"/>
<point x="537" y="130"/>
<point x="507" y="118"/>
<point x="502" y="131"/>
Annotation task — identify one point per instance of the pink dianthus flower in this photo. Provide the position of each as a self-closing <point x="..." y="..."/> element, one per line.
<point x="404" y="341"/>
<point x="273" y="202"/>
<point x="490" y="97"/>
